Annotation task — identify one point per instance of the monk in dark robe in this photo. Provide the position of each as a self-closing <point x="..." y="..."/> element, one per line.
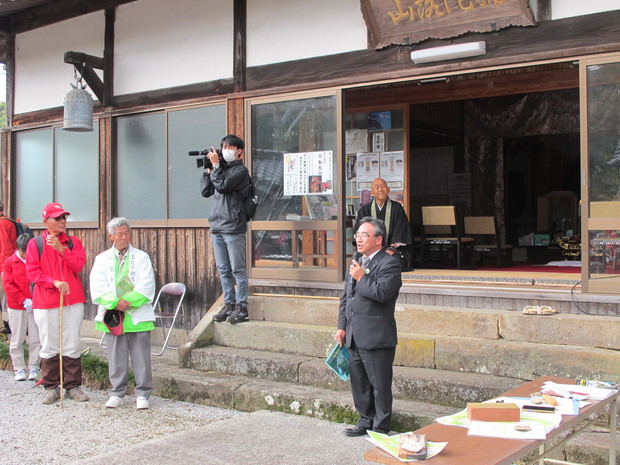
<point x="398" y="238"/>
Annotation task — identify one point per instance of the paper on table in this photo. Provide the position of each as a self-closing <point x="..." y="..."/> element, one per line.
<point x="390" y="445"/>
<point x="503" y="430"/>
<point x="580" y="392"/>
<point x="547" y="420"/>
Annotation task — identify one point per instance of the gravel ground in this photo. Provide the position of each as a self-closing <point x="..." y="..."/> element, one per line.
<point x="36" y="434"/>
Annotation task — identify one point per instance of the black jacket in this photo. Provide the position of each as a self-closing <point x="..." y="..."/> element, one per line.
<point x="229" y="186"/>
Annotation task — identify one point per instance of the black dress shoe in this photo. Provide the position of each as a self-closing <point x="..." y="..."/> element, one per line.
<point x="355" y="431"/>
<point x="381" y="430"/>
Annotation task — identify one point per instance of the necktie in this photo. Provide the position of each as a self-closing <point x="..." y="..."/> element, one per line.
<point x="365" y="261"/>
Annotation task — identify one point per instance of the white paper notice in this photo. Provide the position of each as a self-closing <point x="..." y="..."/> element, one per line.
<point x="506" y="430"/>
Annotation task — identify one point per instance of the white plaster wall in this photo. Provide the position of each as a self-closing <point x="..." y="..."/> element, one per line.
<point x="280" y="30"/>
<point x="41" y="76"/>
<point x="163" y="43"/>
<point x="567" y="8"/>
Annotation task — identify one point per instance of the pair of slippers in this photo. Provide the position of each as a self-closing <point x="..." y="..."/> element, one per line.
<point x="539" y="310"/>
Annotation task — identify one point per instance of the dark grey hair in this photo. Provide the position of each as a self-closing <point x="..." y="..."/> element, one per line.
<point x="22" y="241"/>
<point x="116" y="223"/>
<point x="378" y="225"/>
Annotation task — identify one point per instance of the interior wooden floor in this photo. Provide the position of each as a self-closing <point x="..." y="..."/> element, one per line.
<point x="500" y="276"/>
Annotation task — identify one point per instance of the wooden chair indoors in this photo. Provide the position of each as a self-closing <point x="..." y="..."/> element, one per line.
<point x="440" y="228"/>
<point x="486" y="234"/>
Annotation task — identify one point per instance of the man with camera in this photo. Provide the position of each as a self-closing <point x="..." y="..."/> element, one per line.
<point x="228" y="181"/>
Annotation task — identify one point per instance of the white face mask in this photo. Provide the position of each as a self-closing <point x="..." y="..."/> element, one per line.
<point x="228" y="154"/>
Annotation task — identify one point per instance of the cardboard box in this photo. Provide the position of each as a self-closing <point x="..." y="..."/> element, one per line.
<point x="493" y="412"/>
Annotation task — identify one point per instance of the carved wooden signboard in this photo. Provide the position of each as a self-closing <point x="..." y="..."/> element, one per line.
<point x="404" y="22"/>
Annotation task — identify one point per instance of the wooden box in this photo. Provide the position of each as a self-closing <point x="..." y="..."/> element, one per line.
<point x="493" y="412"/>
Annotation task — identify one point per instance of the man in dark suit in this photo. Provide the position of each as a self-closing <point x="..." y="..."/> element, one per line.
<point x="366" y="325"/>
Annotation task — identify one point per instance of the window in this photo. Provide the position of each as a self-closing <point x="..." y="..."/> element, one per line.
<point x="155" y="177"/>
<point x="53" y="165"/>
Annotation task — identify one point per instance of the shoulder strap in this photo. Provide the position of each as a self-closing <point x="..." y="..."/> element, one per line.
<point x="39" y="241"/>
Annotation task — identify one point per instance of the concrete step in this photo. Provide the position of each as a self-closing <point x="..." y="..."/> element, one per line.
<point x="497" y="357"/>
<point x="252" y="394"/>
<point x="421" y="384"/>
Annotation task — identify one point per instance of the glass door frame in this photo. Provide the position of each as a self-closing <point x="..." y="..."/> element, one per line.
<point x="336" y="226"/>
<point x="589" y="284"/>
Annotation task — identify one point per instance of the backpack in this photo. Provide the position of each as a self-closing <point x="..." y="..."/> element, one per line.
<point x="40" y="244"/>
<point x="250" y="203"/>
<point x="20" y="228"/>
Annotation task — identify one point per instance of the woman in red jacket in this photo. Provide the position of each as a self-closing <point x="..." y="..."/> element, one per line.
<point x="21" y="318"/>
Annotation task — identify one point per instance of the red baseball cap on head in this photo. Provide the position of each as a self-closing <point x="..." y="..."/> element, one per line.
<point x="53" y="210"/>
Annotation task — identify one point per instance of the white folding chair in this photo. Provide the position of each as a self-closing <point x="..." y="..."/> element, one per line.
<point x="175" y="289"/>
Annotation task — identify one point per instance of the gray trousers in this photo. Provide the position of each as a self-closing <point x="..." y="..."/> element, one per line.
<point x="120" y="348"/>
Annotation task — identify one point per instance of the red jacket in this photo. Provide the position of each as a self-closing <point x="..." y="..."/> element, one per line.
<point x="51" y="266"/>
<point x="15" y="282"/>
<point x="8" y="236"/>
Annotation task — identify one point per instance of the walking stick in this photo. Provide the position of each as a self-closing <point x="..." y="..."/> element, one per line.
<point x="62" y="391"/>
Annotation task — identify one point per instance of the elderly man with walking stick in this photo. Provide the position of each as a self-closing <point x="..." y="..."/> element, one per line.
<point x="53" y="261"/>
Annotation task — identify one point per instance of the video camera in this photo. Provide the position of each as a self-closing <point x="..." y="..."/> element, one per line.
<point x="204" y="162"/>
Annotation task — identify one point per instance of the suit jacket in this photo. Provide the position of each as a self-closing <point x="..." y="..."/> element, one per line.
<point x="367" y="307"/>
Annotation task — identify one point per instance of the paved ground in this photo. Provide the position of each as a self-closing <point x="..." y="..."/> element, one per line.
<point x="170" y="432"/>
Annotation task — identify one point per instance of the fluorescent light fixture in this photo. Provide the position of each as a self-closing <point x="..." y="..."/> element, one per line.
<point x="449" y="52"/>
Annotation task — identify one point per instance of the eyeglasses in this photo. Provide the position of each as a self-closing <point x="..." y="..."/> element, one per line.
<point x="58" y="218"/>
<point x="363" y="235"/>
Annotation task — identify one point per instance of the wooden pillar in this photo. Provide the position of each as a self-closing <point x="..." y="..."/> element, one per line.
<point x="240" y="48"/>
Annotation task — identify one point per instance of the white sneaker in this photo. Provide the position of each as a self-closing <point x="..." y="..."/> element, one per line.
<point x="32" y="374"/>
<point x="142" y="403"/>
<point x="114" y="402"/>
<point x="20" y="375"/>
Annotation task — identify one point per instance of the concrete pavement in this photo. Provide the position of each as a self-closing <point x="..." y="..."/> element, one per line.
<point x="262" y="437"/>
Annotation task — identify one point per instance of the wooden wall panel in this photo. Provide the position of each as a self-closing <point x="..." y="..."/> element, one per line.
<point x="178" y="254"/>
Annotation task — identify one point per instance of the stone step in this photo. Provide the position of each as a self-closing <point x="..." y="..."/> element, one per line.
<point x="421" y="384"/>
<point x="252" y="394"/>
<point x="497" y="357"/>
<point x="561" y="329"/>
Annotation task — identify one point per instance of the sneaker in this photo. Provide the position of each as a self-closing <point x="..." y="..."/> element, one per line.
<point x="114" y="402"/>
<point x="142" y="403"/>
<point x="224" y="313"/>
<point x="240" y="314"/>
<point x="51" y="396"/>
<point x="33" y="374"/>
<point x="20" y="375"/>
<point x="76" y="394"/>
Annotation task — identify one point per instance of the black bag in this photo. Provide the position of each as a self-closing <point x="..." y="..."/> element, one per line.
<point x="20" y="228"/>
<point x="250" y="203"/>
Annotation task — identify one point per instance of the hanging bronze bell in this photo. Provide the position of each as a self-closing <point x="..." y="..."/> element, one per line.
<point x="78" y="111"/>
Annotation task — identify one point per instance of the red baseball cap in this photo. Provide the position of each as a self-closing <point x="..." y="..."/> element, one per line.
<point x="53" y="210"/>
<point x="113" y="319"/>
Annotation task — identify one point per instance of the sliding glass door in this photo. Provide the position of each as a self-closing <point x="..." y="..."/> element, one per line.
<point x="600" y="152"/>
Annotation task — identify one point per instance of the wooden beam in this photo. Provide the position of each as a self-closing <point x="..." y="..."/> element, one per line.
<point x="85" y="64"/>
<point x="240" y="47"/>
<point x="544" y="10"/>
<point x="471" y="87"/>
<point x="50" y="13"/>
<point x="10" y="79"/>
<point x="79" y="58"/>
<point x="108" y="56"/>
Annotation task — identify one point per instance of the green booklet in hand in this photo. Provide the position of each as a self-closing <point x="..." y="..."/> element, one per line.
<point x="338" y="360"/>
<point x="124" y="286"/>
